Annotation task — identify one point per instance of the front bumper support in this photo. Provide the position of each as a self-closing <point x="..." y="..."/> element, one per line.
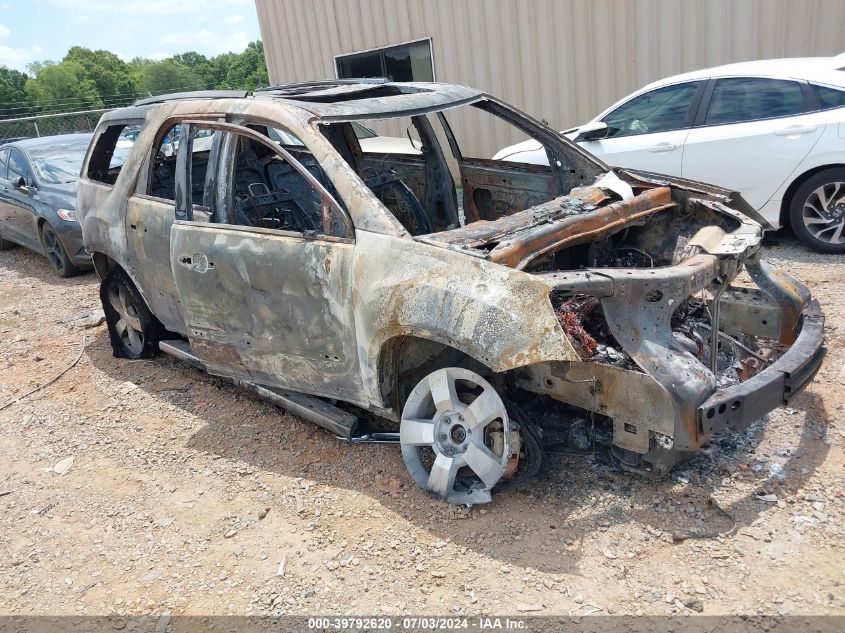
<point x="738" y="406"/>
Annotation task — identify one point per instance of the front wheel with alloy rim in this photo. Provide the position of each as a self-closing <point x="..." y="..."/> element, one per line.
<point x="817" y="211"/>
<point x="56" y="253"/>
<point x="133" y="329"/>
<point x="456" y="436"/>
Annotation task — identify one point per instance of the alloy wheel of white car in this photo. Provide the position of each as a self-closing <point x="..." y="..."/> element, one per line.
<point x="817" y="211"/>
<point x="824" y="213"/>
<point x="454" y="435"/>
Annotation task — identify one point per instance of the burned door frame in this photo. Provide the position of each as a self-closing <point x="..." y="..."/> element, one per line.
<point x="148" y="221"/>
<point x="270" y="306"/>
<point x="499" y="175"/>
<point x="431" y="185"/>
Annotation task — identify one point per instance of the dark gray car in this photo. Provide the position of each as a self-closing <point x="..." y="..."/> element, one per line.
<point x="38" y="199"/>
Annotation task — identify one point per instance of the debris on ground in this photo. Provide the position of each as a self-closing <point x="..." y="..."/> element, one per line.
<point x="152" y="456"/>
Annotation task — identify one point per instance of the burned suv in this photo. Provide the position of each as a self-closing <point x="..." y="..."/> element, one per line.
<point x="481" y="308"/>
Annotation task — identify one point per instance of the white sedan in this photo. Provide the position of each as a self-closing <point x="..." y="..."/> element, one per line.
<point x="774" y="130"/>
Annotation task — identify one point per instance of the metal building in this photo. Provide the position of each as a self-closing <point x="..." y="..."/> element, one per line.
<point x="559" y="60"/>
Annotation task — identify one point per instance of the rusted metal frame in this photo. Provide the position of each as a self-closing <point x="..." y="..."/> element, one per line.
<point x="258" y="230"/>
<point x="183" y="198"/>
<point x="789" y="293"/>
<point x="715" y="306"/>
<point x="635" y="401"/>
<point x="739" y="405"/>
<point x="642" y="327"/>
<point x="550" y="138"/>
<point x="522" y="250"/>
<point x="732" y="202"/>
<point x="750" y="311"/>
<point x="485" y="231"/>
<point x="440" y="186"/>
<point x="327" y="198"/>
<point x="349" y="114"/>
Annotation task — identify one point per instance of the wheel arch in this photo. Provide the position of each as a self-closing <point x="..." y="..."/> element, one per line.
<point x="786" y="201"/>
<point x="103" y="264"/>
<point x="403" y="358"/>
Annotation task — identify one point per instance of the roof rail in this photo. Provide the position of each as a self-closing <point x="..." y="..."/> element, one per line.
<point x="195" y="94"/>
<point x="321" y="83"/>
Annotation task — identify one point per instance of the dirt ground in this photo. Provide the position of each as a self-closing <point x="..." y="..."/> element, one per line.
<point x="185" y="494"/>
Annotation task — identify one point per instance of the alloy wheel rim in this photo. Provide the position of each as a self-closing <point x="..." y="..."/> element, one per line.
<point x="823" y="213"/>
<point x="128" y="325"/>
<point x="53" y="249"/>
<point x="438" y="418"/>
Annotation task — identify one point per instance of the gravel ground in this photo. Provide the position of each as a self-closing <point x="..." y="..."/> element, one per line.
<point x="185" y="495"/>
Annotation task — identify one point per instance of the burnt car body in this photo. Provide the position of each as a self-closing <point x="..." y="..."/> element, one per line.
<point x="350" y="287"/>
<point x="38" y="198"/>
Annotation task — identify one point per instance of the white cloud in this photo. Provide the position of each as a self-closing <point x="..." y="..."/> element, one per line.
<point x="190" y="39"/>
<point x="18" y="58"/>
<point x="232" y="43"/>
<point x="234" y="19"/>
<point x="207" y="40"/>
<point x="4" y="31"/>
<point x="159" y="56"/>
<point x="151" y="7"/>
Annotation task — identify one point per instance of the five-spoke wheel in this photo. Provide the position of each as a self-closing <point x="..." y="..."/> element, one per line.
<point x="128" y="325"/>
<point x="133" y="330"/>
<point x="454" y="435"/>
<point x="55" y="252"/>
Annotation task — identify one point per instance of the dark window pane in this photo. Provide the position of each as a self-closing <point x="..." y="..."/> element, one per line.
<point x="18" y="167"/>
<point x="409" y="63"/>
<point x="363" y="65"/>
<point x="661" y="110"/>
<point x="750" y="99"/>
<point x="830" y="97"/>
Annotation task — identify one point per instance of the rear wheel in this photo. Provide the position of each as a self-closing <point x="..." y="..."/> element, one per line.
<point x="817" y="211"/>
<point x="133" y="329"/>
<point x="456" y="436"/>
<point x="56" y="253"/>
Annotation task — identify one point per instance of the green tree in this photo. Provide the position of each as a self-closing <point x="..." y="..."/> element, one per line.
<point x="198" y="64"/>
<point x="12" y="94"/>
<point x="248" y="69"/>
<point x="63" y="86"/>
<point x="165" y="76"/>
<point x="109" y="73"/>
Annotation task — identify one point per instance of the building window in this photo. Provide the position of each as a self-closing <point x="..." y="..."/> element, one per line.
<point x="406" y="62"/>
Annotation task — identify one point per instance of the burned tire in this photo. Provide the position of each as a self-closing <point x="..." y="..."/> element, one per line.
<point x="817" y="211"/>
<point x="133" y="330"/>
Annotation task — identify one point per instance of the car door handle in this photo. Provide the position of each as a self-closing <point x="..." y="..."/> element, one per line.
<point x="796" y="130"/>
<point x="663" y="147"/>
<point x="198" y="262"/>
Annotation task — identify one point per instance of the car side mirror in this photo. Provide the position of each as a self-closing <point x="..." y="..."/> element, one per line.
<point x="592" y="131"/>
<point x="20" y="185"/>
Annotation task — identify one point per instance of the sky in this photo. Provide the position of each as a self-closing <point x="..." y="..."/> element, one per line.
<point x="38" y="30"/>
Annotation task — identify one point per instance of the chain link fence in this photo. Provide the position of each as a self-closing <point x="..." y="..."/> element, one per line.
<point x="50" y="124"/>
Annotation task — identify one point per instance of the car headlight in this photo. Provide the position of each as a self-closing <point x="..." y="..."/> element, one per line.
<point x="67" y="214"/>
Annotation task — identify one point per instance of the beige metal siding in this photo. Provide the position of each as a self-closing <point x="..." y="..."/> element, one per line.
<point x="562" y="60"/>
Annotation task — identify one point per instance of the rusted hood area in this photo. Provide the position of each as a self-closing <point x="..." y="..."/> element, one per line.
<point x="519" y="238"/>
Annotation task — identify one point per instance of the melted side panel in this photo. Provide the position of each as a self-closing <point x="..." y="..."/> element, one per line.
<point x="271" y="308"/>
